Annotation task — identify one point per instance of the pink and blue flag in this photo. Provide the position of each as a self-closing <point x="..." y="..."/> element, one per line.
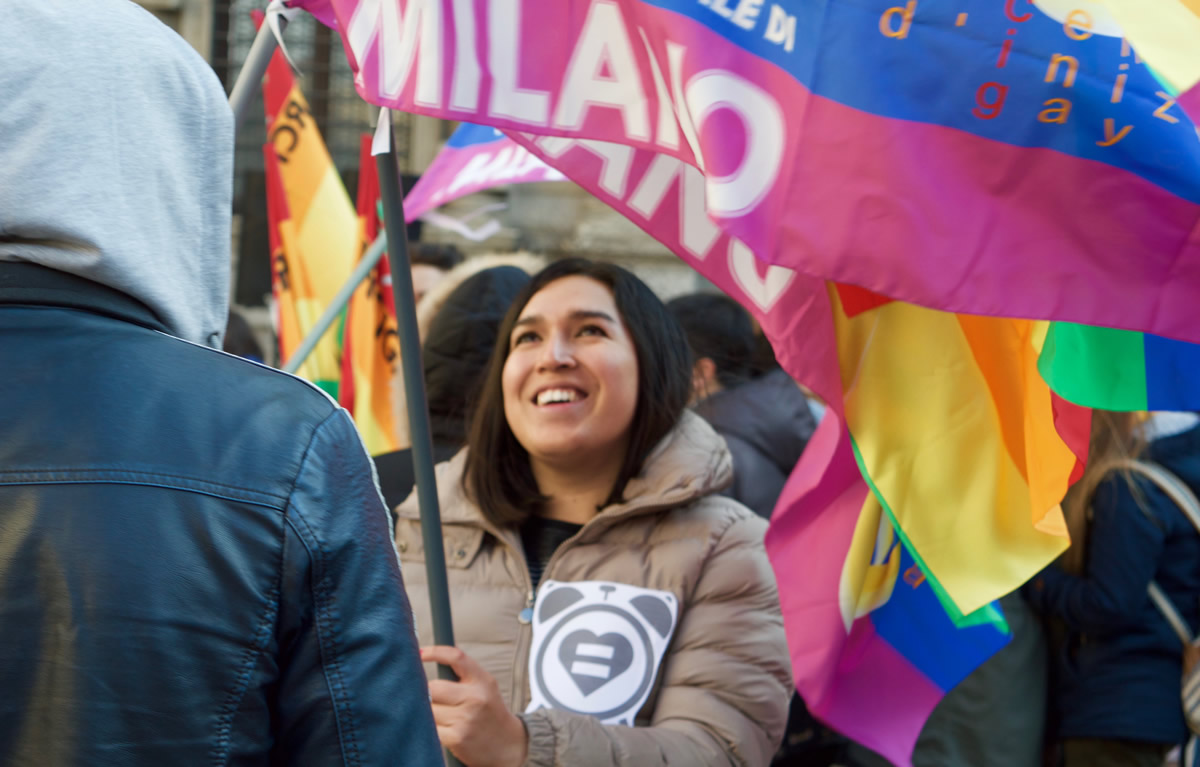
<point x="476" y="157"/>
<point x="837" y="137"/>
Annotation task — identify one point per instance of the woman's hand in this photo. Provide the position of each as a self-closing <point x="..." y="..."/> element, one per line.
<point x="472" y="721"/>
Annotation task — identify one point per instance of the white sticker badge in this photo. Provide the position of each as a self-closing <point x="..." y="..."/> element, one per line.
<point x="597" y="647"/>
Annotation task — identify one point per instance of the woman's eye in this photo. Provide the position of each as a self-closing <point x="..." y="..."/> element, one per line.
<point x="592" y="330"/>
<point x="525" y="337"/>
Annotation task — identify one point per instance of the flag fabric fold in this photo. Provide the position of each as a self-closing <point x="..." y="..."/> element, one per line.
<point x="370" y="341"/>
<point x="321" y="242"/>
<point x="1120" y="369"/>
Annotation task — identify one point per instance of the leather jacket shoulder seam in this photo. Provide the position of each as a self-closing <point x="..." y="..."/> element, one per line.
<point x="312" y="439"/>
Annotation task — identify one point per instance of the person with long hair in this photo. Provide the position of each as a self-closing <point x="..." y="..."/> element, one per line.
<point x="609" y="607"/>
<point x="1115" y="695"/>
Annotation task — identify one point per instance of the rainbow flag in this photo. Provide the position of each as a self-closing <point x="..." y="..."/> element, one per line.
<point x="877" y="651"/>
<point x="370" y="342"/>
<point x="932" y="483"/>
<point x="281" y="236"/>
<point x="1120" y="369"/>
<point x="942" y="406"/>
<point x="319" y="237"/>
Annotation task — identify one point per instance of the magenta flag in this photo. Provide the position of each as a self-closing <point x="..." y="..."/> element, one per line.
<point x="993" y="159"/>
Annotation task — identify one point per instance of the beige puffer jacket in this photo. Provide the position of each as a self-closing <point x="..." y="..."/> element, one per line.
<point x="721" y="693"/>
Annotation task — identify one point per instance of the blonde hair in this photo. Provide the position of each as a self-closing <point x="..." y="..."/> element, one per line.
<point x="1116" y="440"/>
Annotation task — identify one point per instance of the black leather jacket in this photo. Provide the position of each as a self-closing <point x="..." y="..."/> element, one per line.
<point x="195" y="563"/>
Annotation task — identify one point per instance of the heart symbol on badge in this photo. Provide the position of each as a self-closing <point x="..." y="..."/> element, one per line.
<point x="593" y="661"/>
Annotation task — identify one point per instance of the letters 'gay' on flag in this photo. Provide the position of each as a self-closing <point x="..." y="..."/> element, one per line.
<point x="370" y="341"/>
<point x="967" y="155"/>
<point x="319" y="249"/>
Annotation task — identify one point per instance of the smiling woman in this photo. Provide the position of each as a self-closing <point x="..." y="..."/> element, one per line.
<point x="610" y="609"/>
<point x="570" y="388"/>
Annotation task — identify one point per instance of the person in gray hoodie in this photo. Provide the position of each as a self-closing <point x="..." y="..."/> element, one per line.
<point x="195" y="561"/>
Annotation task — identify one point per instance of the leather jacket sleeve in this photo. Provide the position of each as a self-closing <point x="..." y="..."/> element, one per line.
<point x="351" y="688"/>
<point x="726" y="682"/>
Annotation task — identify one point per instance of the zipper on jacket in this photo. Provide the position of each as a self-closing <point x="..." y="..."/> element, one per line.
<point x="525" y="616"/>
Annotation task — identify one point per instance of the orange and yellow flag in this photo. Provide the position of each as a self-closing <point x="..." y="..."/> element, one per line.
<point x="370" y="344"/>
<point x="314" y="229"/>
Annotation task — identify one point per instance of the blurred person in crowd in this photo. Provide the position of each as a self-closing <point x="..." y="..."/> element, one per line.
<point x="610" y="608"/>
<point x="765" y="421"/>
<point x="1118" y="664"/>
<point x="240" y="340"/>
<point x="458" y="321"/>
<point x="430" y="262"/>
<point x="429" y="265"/>
<point x="195" y="566"/>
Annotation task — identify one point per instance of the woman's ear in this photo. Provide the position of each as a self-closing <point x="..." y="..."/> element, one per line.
<point x="704" y="380"/>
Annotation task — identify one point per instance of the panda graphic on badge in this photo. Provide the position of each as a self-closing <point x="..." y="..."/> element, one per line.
<point x="597" y="647"/>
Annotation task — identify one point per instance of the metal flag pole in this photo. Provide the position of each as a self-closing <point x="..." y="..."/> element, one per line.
<point x="253" y="69"/>
<point x="414" y="387"/>
<point x="269" y="37"/>
<point x="361" y="270"/>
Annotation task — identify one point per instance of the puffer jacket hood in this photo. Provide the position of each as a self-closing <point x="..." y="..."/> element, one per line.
<point x="688" y="464"/>
<point x="127" y="182"/>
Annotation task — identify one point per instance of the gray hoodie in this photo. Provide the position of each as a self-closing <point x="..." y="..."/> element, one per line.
<point x="124" y="176"/>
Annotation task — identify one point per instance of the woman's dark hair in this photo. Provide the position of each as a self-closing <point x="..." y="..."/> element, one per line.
<point x="497" y="475"/>
<point x="720" y="329"/>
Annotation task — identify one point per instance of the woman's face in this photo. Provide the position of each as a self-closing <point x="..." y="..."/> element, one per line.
<point x="570" y="379"/>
